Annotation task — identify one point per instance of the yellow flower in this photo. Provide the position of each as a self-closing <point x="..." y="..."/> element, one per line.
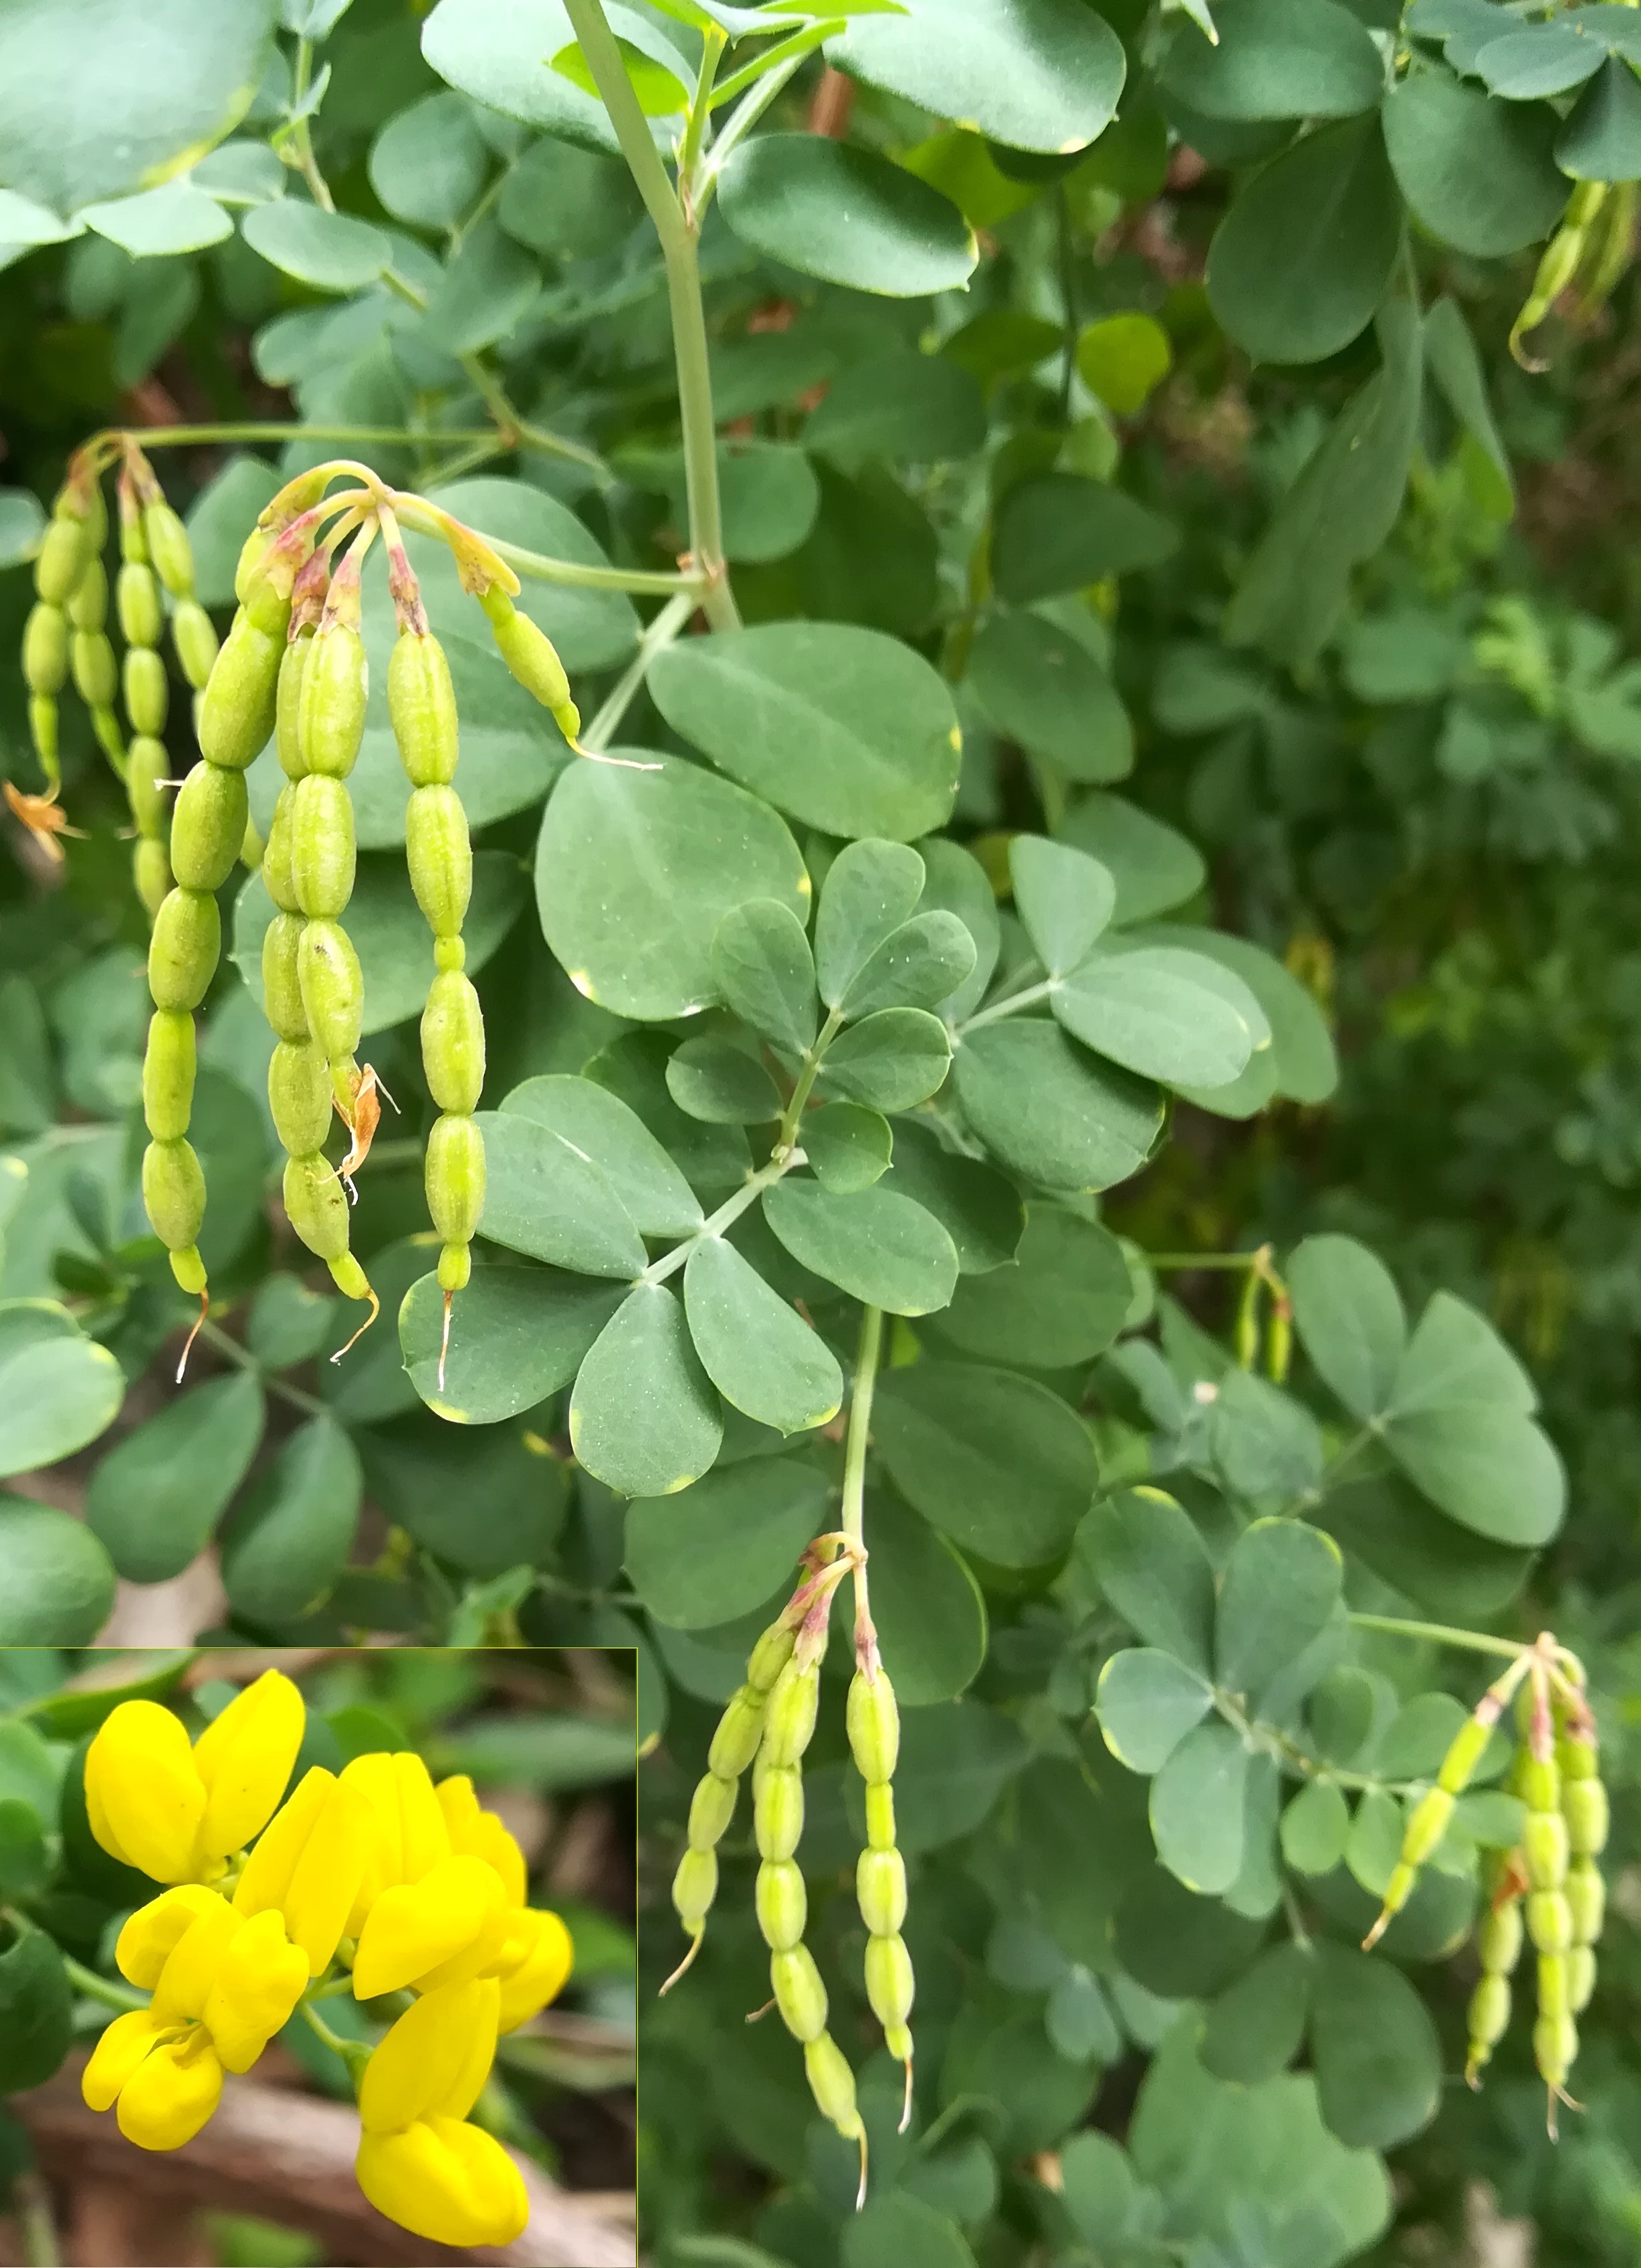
<point x="310" y="1863"/>
<point x="481" y="1835"/>
<point x="175" y="1812"/>
<point x="410" y="1835"/>
<point x="420" y="2162"/>
<point x="223" y="1986"/>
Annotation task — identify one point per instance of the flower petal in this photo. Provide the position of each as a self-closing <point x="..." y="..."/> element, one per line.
<point x="245" y="1758"/>
<point x="414" y="1926"/>
<point x="171" y="2095"/>
<point x="141" y="1783"/>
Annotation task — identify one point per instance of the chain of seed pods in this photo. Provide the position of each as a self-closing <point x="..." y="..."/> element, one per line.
<point x="874" y="1740"/>
<point x="152" y="538"/>
<point x="1566" y="252"/>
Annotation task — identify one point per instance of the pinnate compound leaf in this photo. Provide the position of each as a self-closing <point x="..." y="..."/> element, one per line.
<point x="1065" y="898"/>
<point x="517" y="1335"/>
<point x="1198" y="1809"/>
<point x="979" y="1210"/>
<point x="1486" y="1465"/>
<point x="288" y="1538"/>
<point x="544" y="1198"/>
<point x="1303" y="1063"/>
<point x="1147" y="1702"/>
<point x="1166" y="1015"/>
<point x="56" y="1580"/>
<point x="1478" y="174"/>
<point x="608" y="1134"/>
<point x="712" y="1079"/>
<point x="766" y="972"/>
<point x="920" y="407"/>
<point x="1350" y="1319"/>
<point x="157" y="1496"/>
<point x="876" y="1245"/>
<point x="758" y="1350"/>
<point x="1061" y="1301"/>
<point x="955" y="882"/>
<point x="644" y="1419"/>
<point x="1279" y="1590"/>
<point x="1153" y="865"/>
<point x="332" y="251"/>
<point x="36" y="2011"/>
<point x="720" y="1549"/>
<point x="1266" y="1444"/>
<point x="919" y="965"/>
<point x="1058" y="532"/>
<point x="1050" y="1112"/>
<point x="890" y="1061"/>
<point x="1276" y="59"/>
<point x="159" y="224"/>
<point x="870" y="889"/>
<point x="499" y="55"/>
<point x="831" y="210"/>
<point x="1150" y="1563"/>
<point x="994" y="1460"/>
<point x="872" y="719"/>
<point x="1315" y="1827"/>
<point x="1456" y="1355"/>
<point x="1042" y="686"/>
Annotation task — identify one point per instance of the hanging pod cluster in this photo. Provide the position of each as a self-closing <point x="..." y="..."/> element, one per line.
<point x="293" y="666"/>
<point x="768" y="1725"/>
<point x="1548" y="1890"/>
<point x="1590" y="252"/>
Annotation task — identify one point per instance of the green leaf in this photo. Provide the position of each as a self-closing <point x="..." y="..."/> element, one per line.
<point x="955" y="1760"/>
<point x="1064" y="897"/>
<point x="1601" y="140"/>
<point x="1348" y="1317"/>
<point x="56" y="1582"/>
<point x="1178" y="1944"/>
<point x="58" y="1389"/>
<point x="895" y="1059"/>
<point x="979" y="1210"/>
<point x="605" y="1130"/>
<point x="1198" y="1802"/>
<point x="372" y="1383"/>
<point x="1377" y="2058"/>
<point x="920" y="965"/>
<point x="1152" y="866"/>
<point x="920" y="407"/>
<point x="1048" y="1111"/>
<point x="1303" y="1060"/>
<point x="831" y="210"/>
<point x="1254" y="2026"/>
<point x="158" y="224"/>
<point x="644" y="1419"/>
<point x="634" y="870"/>
<point x="1279" y="1590"/>
<point x="517" y="1335"/>
<point x="500" y="57"/>
<point x="874" y="721"/>
<point x="1042" y="688"/>
<point x="1456" y="1355"/>
<point x="720" y="1549"/>
<point x="929" y="1611"/>
<point x="870" y="889"/>
<point x="1276" y="59"/>
<point x="1301" y="260"/>
<point x="714" y="1159"/>
<point x="156" y="1498"/>
<point x="955" y="882"/>
<point x="758" y="1350"/>
<point x="994" y="1460"/>
<point x="1266" y="1444"/>
<point x="1150" y="1563"/>
<point x="428" y="163"/>
<point x="1487" y="1466"/>
<point x="1061" y="1301"/>
<point x="1452" y="1573"/>
<point x="1314" y="1827"/>
<point x="899" y="2231"/>
<point x="569" y="203"/>
<point x="488" y="288"/>
<point x="23" y="222"/>
<point x="542" y="1197"/>
<point x="591" y="629"/>
<point x="36" y="2008"/>
<point x="426" y="1477"/>
<point x="876" y="1245"/>
<point x="1123" y="359"/>
<point x="1453" y="362"/>
<point x="1167" y="1015"/>
<point x="332" y="251"/>
<point x="1477" y="173"/>
<point x="290" y="1536"/>
<point x="1146" y="1703"/>
<point x="1042" y="75"/>
<point x="92" y="102"/>
<point x="714" y="1078"/>
<point x="1059" y="532"/>
<point x="25" y="1861"/>
<point x="848" y="1148"/>
<point x="763" y="965"/>
<point x="1099" y="2190"/>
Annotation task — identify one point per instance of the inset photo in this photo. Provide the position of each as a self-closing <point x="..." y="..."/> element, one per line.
<point x="312" y="1957"/>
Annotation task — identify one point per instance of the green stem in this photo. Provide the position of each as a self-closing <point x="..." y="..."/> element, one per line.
<point x="643" y="582"/>
<point x="1012" y="1007"/>
<point x="301" y="139"/>
<point x="727" y="1214"/>
<point x="354" y="2053"/>
<point x="677" y="233"/>
<point x="517" y="429"/>
<point x="102" y="1988"/>
<point x="1442" y="1634"/>
<point x="1155" y="1260"/>
<point x="244" y="1360"/>
<point x="783" y="58"/>
<point x="176" y="437"/>
<point x="866" y="1361"/>
<point x="661" y="633"/>
<point x="745" y="116"/>
<point x="713" y="42"/>
<point x="36" y="2222"/>
<point x="786" y="1135"/>
<point x="1068" y="296"/>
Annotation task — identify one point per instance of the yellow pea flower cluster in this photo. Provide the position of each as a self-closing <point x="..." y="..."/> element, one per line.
<point x="373" y="1879"/>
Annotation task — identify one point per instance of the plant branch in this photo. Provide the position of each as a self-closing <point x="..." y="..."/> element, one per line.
<point x="1442" y="1634"/>
<point x="244" y="1360"/>
<point x="102" y="1988"/>
<point x="727" y="1214"/>
<point x="661" y="633"/>
<point x="1012" y="1007"/>
<point x="866" y="1382"/>
<point x="301" y="139"/>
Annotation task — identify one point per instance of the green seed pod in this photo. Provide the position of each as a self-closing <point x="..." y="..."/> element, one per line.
<point x="299" y="1096"/>
<point x="173" y="1193"/>
<point x="189" y="1269"/>
<point x="169" y="548"/>
<point x="874" y="1727"/>
<point x="1552" y="1985"/>
<point x="42" y="730"/>
<point x="530" y="654"/>
<point x="783" y="1904"/>
<point x="253" y="551"/>
<point x="62" y="556"/>
<point x="1469" y="1745"/>
<point x="890" y="1986"/>
<point x="769" y="1657"/>
<point x="287" y="704"/>
<point x="791" y="1722"/>
<point x="1586" y="1810"/>
<point x="1540" y="1787"/>
<point x="151" y="871"/>
<point x="880" y="1817"/>
<point x="1549" y="1921"/>
<point x="148" y="764"/>
<point x="236" y="715"/>
<point x="282" y="983"/>
<point x="95" y="672"/>
<point x="330" y="706"/>
<point x="1580" y="1979"/>
<point x="880" y="1891"/>
<point x="136" y="604"/>
<point x="1555" y="2048"/>
<point x="193" y="642"/>
<point x="695" y="1886"/>
<point x="799" y="1994"/>
<point x="450" y="955"/>
<point x="88" y="601"/>
<point x="208" y="827"/>
<point x="110" y="740"/>
<point x="1489" y="2012"/>
<point x="168" y="1074"/>
<point x="1577" y="1759"/>
<point x="333" y="988"/>
<point x="453" y="1042"/>
<point x="1586" y="1893"/>
<point x="315" y="1206"/>
<point x="421" y="710"/>
<point x="440" y="854"/>
<point x="322" y="852"/>
<point x="1498" y="1938"/>
<point x="454" y="1178"/>
<point x="147" y="692"/>
<point x="777" y="1815"/>
<point x="44" y="648"/>
<point x="455" y="1267"/>
<point x="277" y="871"/>
<point x="1544" y="1847"/>
<point x="183" y="952"/>
<point x="739" y="1730"/>
<point x="711" y="1808"/>
<point x="832" y="2084"/>
<point x="352" y="1282"/>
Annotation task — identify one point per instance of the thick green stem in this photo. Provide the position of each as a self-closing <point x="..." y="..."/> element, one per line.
<point x="661" y="632"/>
<point x="866" y="1359"/>
<point x="1012" y="1007"/>
<point x="1442" y="1634"/>
<point x="643" y="582"/>
<point x="677" y="232"/>
<point x="727" y="1214"/>
<point x="301" y="135"/>
<point x="176" y="437"/>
